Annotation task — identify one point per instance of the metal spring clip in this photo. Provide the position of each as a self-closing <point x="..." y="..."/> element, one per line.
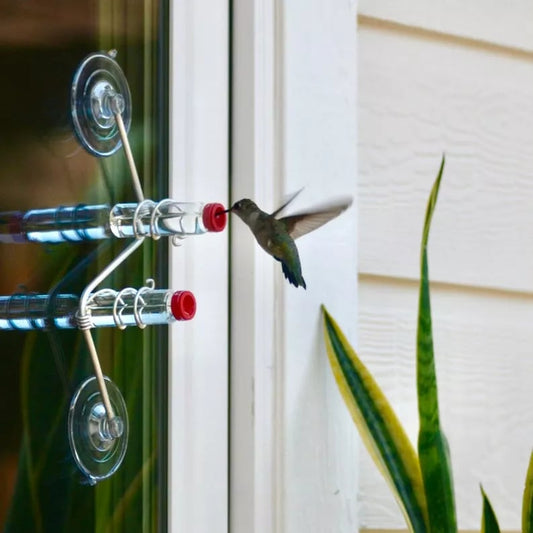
<point x="147" y="206"/>
<point x="120" y="305"/>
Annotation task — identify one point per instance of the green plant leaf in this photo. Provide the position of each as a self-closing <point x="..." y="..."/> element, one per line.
<point x="378" y="425"/>
<point x="432" y="445"/>
<point x="527" y="504"/>
<point x="489" y="523"/>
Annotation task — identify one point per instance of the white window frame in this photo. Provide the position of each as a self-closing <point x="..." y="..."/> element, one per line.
<point x="283" y="83"/>
<point x="275" y="328"/>
<point x="198" y="380"/>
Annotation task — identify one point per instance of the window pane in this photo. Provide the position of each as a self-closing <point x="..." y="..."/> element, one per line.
<point x="42" y="43"/>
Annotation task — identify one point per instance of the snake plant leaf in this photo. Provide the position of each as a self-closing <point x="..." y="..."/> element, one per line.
<point x="378" y="425"/>
<point x="489" y="523"/>
<point x="527" y="504"/>
<point x="433" y="449"/>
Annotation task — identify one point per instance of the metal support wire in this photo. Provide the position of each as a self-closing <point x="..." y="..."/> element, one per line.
<point x="117" y="103"/>
<point x="85" y="324"/>
<point x="84" y="321"/>
<point x="110" y="101"/>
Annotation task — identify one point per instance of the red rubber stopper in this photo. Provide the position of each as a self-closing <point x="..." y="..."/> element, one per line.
<point x="213" y="217"/>
<point x="183" y="305"/>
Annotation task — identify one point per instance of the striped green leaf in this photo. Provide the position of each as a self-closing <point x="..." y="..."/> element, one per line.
<point x="378" y="425"/>
<point x="527" y="504"/>
<point x="489" y="523"/>
<point x="432" y="445"/>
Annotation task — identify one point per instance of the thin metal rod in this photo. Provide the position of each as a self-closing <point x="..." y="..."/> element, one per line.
<point x="86" y="331"/>
<point x="117" y="101"/>
<point x="99" y="375"/>
<point x="129" y="156"/>
<point x="121" y="257"/>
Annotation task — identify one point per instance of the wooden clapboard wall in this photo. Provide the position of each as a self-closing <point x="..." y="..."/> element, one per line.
<point x="453" y="77"/>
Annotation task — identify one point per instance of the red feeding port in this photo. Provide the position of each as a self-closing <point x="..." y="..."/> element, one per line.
<point x="183" y="305"/>
<point x="214" y="217"/>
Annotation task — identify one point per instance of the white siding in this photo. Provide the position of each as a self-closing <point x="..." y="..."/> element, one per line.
<point x="493" y="21"/>
<point x="428" y="85"/>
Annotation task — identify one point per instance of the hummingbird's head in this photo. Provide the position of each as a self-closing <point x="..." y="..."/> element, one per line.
<point x="244" y="209"/>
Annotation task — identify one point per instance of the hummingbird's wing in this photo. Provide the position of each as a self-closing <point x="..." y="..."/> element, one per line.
<point x="286" y="202"/>
<point x="301" y="223"/>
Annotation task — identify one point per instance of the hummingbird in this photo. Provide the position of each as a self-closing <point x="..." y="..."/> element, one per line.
<point x="277" y="235"/>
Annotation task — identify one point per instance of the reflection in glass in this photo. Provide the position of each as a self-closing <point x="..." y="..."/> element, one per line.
<point x="41" y="45"/>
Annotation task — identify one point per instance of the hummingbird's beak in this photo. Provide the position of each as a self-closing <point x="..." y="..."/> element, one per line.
<point x="225" y="211"/>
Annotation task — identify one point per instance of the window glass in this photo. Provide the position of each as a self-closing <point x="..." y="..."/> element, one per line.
<point x="43" y="166"/>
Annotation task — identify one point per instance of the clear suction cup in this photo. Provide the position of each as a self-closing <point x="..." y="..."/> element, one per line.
<point x="98" y="445"/>
<point x="99" y="91"/>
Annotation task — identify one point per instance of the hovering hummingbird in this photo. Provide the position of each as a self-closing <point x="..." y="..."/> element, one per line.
<point x="276" y="235"/>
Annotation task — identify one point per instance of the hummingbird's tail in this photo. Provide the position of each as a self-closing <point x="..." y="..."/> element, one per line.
<point x="295" y="278"/>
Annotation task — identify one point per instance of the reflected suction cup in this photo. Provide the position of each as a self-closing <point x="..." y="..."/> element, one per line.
<point x="97" y="444"/>
<point x="99" y="90"/>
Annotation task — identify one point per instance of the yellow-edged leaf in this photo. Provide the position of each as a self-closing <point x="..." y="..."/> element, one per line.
<point x="378" y="425"/>
<point x="433" y="449"/>
<point x="489" y="522"/>
<point x="527" y="504"/>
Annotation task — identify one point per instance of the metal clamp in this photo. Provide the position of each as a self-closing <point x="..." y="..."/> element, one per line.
<point x="120" y="305"/>
<point x="137" y="223"/>
<point x="84" y="322"/>
<point x="154" y="209"/>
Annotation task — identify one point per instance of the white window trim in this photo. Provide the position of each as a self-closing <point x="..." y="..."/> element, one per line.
<point x="275" y="329"/>
<point x="266" y="494"/>
<point x="255" y="174"/>
<point x="198" y="380"/>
